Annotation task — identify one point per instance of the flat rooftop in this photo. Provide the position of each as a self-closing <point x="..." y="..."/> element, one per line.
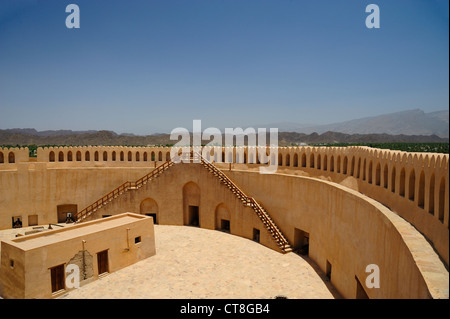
<point x="70" y="231"/>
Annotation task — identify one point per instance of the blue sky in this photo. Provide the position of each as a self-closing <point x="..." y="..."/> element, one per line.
<point x="144" y="66"/>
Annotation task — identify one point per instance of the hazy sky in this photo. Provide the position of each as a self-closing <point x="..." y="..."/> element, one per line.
<point x="145" y="66"/>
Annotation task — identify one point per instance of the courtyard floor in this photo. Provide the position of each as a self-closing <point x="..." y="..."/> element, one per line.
<point x="193" y="263"/>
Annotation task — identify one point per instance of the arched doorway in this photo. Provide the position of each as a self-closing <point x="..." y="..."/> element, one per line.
<point x="222" y="218"/>
<point x="191" y="204"/>
<point x="149" y="207"/>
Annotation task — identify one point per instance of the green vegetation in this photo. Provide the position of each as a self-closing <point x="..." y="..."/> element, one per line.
<point x="407" y="147"/>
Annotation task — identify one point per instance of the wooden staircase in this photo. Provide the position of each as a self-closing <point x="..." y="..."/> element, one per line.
<point x="125" y="187"/>
<point x="267" y="221"/>
<point x="269" y="224"/>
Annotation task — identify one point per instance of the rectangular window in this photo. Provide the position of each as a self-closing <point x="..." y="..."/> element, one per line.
<point x="256" y="235"/>
<point x="137" y="240"/>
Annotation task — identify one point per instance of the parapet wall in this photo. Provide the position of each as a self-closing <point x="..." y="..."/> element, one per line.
<point x="9" y="157"/>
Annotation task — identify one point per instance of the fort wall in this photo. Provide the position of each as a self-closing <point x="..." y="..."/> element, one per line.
<point x="349" y="200"/>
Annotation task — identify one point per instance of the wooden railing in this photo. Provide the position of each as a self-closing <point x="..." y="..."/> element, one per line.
<point x="250" y="201"/>
<point x="81" y="215"/>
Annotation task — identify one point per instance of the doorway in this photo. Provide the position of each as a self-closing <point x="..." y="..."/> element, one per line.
<point x="256" y="235"/>
<point x="301" y="242"/>
<point x="65" y="210"/>
<point x="193" y="217"/>
<point x="225" y="225"/>
<point x="153" y="215"/>
<point x="102" y="261"/>
<point x="57" y="278"/>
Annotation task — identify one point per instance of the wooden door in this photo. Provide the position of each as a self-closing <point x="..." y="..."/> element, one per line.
<point x="102" y="260"/>
<point x="57" y="278"/>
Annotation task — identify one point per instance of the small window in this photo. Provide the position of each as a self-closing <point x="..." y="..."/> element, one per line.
<point x="11" y="263"/>
<point x="256" y="235"/>
<point x="17" y="222"/>
<point x="328" y="271"/>
<point x="137" y="240"/>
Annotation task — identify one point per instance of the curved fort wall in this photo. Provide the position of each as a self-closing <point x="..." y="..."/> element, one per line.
<point x="412" y="185"/>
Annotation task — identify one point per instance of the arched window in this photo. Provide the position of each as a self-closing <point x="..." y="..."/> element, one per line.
<point x="78" y="156"/>
<point x="130" y="156"/>
<point x="352" y="168"/>
<point x="338" y="164"/>
<point x="393" y="177"/>
<point x="295" y="160"/>
<point x="138" y="157"/>
<point x="421" y="194"/>
<point x="153" y="156"/>
<point x="167" y="156"/>
<point x="325" y="162"/>
<point x="51" y="156"/>
<point x="402" y="182"/>
<point x="87" y="156"/>
<point x="358" y="168"/>
<point x="319" y="161"/>
<point x="96" y="156"/>
<point x="431" y="196"/>
<point x="280" y="160"/>
<point x="303" y="160"/>
<point x="105" y="156"/>
<point x="287" y="160"/>
<point x="412" y="183"/>
<point x="113" y="156"/>
<point x="2" y="159"/>
<point x="11" y="157"/>
<point x="364" y="170"/>
<point x="369" y="173"/>
<point x="69" y="156"/>
<point x="385" y="176"/>
<point x="61" y="157"/>
<point x="145" y="157"/>
<point x="378" y="175"/>
<point x="311" y="161"/>
<point x="344" y="168"/>
<point x="441" y="203"/>
<point x="332" y="163"/>
<point x="122" y="156"/>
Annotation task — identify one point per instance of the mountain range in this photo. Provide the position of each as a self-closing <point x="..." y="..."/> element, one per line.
<point x="413" y="126"/>
<point x="411" y="122"/>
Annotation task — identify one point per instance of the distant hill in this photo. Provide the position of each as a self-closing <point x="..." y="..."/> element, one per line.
<point x="411" y="122"/>
<point x="30" y="136"/>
